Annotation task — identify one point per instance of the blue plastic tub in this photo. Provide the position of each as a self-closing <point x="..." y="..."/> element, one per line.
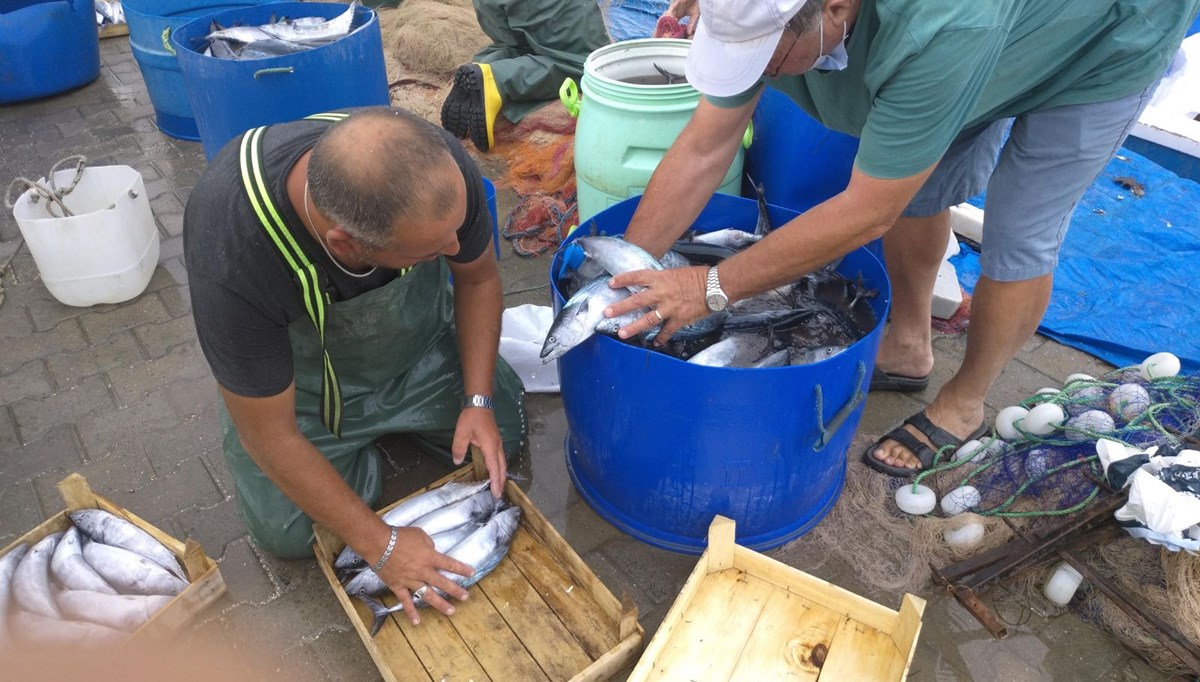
<point x="46" y="47"/>
<point x="800" y="162"/>
<point x="229" y="97"/>
<point x="151" y="22"/>
<point x="490" y="191"/>
<point x="658" y="446"/>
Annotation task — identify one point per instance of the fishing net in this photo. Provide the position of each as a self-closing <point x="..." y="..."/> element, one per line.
<point x="1028" y="484"/>
<point x="1038" y="478"/>
<point x="433" y="37"/>
<point x="958" y="322"/>
<point x="540" y="154"/>
<point x="424" y="42"/>
<point x="902" y="547"/>
<point x="539" y="223"/>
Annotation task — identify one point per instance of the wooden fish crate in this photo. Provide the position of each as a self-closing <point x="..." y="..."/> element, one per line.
<point x="113" y="31"/>
<point x="744" y="616"/>
<point x="540" y="615"/>
<point x="206" y="584"/>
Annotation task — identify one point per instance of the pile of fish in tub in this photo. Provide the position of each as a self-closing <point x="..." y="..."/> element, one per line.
<point x="807" y="321"/>
<point x="94" y="583"/>
<point x="465" y="523"/>
<point x="277" y="37"/>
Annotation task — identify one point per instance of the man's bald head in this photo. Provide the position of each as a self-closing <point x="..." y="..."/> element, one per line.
<point x="381" y="167"/>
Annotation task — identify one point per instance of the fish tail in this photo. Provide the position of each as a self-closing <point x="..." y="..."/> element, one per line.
<point x="379" y="611"/>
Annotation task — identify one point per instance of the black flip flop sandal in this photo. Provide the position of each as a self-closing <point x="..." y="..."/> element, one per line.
<point x="925" y="454"/>
<point x="882" y="381"/>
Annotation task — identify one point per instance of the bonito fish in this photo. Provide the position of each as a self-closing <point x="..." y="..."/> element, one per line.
<point x="8" y="566"/>
<point x="578" y="318"/>
<point x="412" y="509"/>
<point x="367" y="582"/>
<point x="121" y="611"/>
<point x="131" y="573"/>
<point x="71" y="570"/>
<point x="31" y="584"/>
<point x="113" y="530"/>
<point x="482" y="551"/>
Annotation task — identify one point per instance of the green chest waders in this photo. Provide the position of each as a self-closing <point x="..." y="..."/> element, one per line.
<point x="383" y="362"/>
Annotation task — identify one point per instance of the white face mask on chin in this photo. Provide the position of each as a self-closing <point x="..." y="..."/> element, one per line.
<point x="835" y="60"/>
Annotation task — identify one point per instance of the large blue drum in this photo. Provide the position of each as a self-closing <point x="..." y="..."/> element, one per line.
<point x="658" y="446"/>
<point x="229" y="97"/>
<point x="46" y="47"/>
<point x="151" y="23"/>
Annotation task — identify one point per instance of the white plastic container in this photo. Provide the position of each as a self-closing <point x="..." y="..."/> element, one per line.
<point x="1062" y="584"/>
<point x="107" y="251"/>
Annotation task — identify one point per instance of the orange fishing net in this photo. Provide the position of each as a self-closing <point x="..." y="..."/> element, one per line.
<point x="540" y="154"/>
<point x="959" y="321"/>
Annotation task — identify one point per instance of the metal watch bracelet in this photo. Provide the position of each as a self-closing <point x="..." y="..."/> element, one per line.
<point x="477" y="400"/>
<point x="387" y="553"/>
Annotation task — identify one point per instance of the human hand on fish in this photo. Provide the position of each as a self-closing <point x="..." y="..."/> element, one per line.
<point x="677" y="295"/>
<point x="415" y="565"/>
<point x="477" y="427"/>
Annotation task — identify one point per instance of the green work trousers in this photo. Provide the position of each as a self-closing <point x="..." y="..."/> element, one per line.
<point x="396" y="356"/>
<point x="536" y="45"/>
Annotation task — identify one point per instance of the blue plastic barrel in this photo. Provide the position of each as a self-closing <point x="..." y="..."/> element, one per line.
<point x="229" y="97"/>
<point x="657" y="446"/>
<point x="800" y="162"/>
<point x="46" y="47"/>
<point x="151" y="23"/>
<point x="489" y="190"/>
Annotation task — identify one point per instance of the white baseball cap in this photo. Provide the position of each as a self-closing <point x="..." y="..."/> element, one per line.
<point x="734" y="42"/>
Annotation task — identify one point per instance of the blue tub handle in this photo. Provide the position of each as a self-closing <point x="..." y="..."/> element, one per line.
<point x="274" y="69"/>
<point x="830" y="430"/>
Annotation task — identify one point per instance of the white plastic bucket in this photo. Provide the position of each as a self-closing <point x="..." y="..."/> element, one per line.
<point x="107" y="251"/>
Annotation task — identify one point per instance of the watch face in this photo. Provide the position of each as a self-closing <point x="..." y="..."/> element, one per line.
<point x="716" y="302"/>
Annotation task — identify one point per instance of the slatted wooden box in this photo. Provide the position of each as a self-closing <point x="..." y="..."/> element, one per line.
<point x="744" y="616"/>
<point x="206" y="586"/>
<point x="540" y="615"/>
<point x="113" y="31"/>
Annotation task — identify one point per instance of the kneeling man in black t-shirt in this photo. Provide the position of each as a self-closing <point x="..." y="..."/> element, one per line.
<point x="319" y="257"/>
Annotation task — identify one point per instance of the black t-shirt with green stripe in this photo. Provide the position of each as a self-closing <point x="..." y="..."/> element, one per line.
<point x="243" y="296"/>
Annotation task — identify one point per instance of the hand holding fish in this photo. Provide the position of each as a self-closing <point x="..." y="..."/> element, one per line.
<point x="415" y="563"/>
<point x="677" y="295"/>
<point x="477" y="427"/>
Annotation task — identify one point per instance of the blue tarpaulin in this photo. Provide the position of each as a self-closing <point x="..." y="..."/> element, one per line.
<point x="631" y="19"/>
<point x="1128" y="279"/>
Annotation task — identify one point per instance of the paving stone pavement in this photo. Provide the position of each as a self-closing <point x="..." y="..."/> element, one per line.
<point x="121" y="394"/>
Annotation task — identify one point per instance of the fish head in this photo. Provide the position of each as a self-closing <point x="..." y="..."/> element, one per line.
<point x="568" y="331"/>
<point x="506" y="523"/>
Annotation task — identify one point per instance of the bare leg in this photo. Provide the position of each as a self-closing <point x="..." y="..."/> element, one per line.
<point x="914" y="248"/>
<point x="1003" y="316"/>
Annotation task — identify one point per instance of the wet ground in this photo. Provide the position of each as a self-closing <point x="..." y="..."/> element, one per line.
<point x="122" y="394"/>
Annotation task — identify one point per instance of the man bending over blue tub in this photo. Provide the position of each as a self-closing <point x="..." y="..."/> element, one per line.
<point x="929" y="87"/>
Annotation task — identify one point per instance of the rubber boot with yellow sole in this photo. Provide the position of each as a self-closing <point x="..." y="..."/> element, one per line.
<point x="472" y="105"/>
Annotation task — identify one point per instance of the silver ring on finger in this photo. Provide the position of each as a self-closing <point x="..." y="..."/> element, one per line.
<point x="660" y="316"/>
<point x="420" y="592"/>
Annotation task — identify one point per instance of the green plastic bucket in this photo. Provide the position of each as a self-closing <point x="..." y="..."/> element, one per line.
<point x="625" y="127"/>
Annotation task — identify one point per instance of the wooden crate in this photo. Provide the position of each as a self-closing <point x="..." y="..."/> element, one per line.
<point x="744" y="616"/>
<point x="540" y="615"/>
<point x="113" y="31"/>
<point x="206" y="582"/>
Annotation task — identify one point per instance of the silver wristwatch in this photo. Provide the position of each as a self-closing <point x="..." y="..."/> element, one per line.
<point x="478" y="400"/>
<point x="714" y="296"/>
